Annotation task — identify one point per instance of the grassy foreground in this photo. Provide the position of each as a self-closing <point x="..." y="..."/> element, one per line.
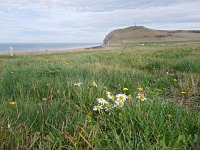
<point x="41" y="108"/>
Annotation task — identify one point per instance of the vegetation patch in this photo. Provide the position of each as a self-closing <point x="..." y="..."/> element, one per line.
<point x="156" y="65"/>
<point x="188" y="66"/>
<point x="139" y="97"/>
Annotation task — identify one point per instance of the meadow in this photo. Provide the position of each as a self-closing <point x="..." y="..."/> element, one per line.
<point x="47" y="101"/>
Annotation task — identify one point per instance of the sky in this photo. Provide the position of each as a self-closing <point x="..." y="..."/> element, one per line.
<point x="89" y="21"/>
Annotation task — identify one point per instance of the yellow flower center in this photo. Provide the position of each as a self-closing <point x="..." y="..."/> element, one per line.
<point x="120" y="104"/>
<point x="121" y="97"/>
<point x="98" y="107"/>
<point x="108" y="107"/>
<point x="129" y="96"/>
<point x="142" y="96"/>
<point x="114" y="97"/>
<point x="140" y="89"/>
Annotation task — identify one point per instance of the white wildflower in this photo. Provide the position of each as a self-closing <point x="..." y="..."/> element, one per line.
<point x="97" y="108"/>
<point x="119" y="103"/>
<point x="102" y="101"/>
<point x="8" y="126"/>
<point x="121" y="97"/>
<point x="110" y="96"/>
<point x="141" y="97"/>
<point x="78" y="84"/>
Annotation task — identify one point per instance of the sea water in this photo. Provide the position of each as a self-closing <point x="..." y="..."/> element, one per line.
<point x="35" y="47"/>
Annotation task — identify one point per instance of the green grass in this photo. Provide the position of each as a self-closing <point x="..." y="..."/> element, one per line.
<point x="52" y="113"/>
<point x="188" y="66"/>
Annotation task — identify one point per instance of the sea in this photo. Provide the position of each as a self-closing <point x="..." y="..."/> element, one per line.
<point x="39" y="47"/>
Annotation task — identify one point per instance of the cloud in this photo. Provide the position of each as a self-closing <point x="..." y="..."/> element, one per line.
<point x="86" y="5"/>
<point x="90" y="21"/>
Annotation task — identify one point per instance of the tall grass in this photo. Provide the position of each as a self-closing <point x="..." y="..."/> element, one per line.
<point x="51" y="113"/>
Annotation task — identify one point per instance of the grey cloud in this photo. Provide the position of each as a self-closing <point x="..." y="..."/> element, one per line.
<point x="90" y="21"/>
<point x="92" y="5"/>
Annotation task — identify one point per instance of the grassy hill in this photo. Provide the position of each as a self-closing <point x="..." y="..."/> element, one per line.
<point x="47" y="101"/>
<point x="142" y="34"/>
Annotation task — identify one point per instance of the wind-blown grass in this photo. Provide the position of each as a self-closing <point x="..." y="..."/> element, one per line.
<point x="53" y="113"/>
<point x="188" y="66"/>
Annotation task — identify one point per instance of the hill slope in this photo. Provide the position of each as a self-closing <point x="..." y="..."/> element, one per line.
<point x="143" y="34"/>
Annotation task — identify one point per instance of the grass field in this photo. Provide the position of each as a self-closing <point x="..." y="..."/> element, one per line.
<point x="41" y="108"/>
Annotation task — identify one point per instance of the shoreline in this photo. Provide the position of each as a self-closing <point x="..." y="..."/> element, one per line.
<point x="55" y="51"/>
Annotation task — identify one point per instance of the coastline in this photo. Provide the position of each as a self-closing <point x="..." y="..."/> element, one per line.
<point x="56" y="51"/>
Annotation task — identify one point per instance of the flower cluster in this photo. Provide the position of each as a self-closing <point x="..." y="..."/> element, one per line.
<point x="116" y="101"/>
<point x="140" y="94"/>
<point x="112" y="102"/>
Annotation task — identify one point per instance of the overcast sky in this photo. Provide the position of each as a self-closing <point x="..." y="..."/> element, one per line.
<point x="90" y="20"/>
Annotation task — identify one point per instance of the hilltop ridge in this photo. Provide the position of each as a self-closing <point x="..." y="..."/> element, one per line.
<point x="143" y="34"/>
